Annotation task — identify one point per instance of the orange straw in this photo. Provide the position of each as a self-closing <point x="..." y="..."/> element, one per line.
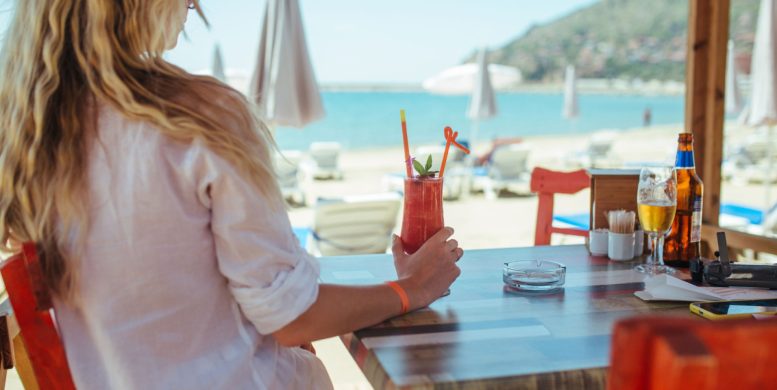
<point x="450" y="138"/>
<point x="407" y="148"/>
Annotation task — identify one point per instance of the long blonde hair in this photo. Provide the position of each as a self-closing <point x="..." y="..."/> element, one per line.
<point x="60" y="54"/>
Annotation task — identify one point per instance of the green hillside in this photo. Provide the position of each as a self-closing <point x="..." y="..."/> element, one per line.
<point x="618" y="39"/>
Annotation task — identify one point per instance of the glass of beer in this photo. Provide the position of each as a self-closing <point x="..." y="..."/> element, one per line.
<point x="656" y="205"/>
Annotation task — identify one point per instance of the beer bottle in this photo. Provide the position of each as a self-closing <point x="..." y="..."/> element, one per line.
<point x="684" y="240"/>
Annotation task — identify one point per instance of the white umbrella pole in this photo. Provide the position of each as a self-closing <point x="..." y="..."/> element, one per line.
<point x="475" y="131"/>
<point x="470" y="176"/>
<point x="769" y="174"/>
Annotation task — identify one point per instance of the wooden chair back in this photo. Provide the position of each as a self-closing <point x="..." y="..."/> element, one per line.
<point x="546" y="183"/>
<point x="32" y="308"/>
<point x="651" y="353"/>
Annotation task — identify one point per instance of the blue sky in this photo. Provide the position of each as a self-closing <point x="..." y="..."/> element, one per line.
<point x="365" y="41"/>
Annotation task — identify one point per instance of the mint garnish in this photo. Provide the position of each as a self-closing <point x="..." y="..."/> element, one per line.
<point x="424" y="170"/>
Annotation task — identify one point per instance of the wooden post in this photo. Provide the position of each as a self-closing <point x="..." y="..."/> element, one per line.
<point x="705" y="86"/>
<point x="708" y="22"/>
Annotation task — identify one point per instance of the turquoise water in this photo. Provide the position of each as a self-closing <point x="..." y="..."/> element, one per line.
<point x="360" y="120"/>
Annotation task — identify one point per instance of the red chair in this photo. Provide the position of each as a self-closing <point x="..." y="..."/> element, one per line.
<point x="32" y="307"/>
<point x="685" y="353"/>
<point x="546" y="183"/>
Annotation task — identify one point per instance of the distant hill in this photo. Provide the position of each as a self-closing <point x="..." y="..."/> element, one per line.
<point x="620" y="39"/>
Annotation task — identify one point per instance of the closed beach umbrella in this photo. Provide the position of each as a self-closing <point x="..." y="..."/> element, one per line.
<point x="217" y="69"/>
<point x="283" y="84"/>
<point x="762" y="110"/>
<point x="571" y="109"/>
<point x="462" y="79"/>
<point x="482" y="103"/>
<point x="763" y="94"/>
<point x="733" y="95"/>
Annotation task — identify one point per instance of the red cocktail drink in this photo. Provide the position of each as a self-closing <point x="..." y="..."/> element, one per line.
<point x="423" y="211"/>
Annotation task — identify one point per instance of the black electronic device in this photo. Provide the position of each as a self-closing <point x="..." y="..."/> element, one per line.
<point x="722" y="272"/>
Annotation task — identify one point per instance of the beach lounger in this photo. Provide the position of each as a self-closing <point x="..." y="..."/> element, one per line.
<point x="732" y="215"/>
<point x="455" y="173"/>
<point x="749" y="219"/>
<point x="354" y="224"/>
<point x="302" y="234"/>
<point x="326" y="158"/>
<point x="293" y="176"/>
<point x="598" y="153"/>
<point x="578" y="221"/>
<point x="748" y="160"/>
<point x="496" y="143"/>
<point x="752" y="215"/>
<point x="508" y="171"/>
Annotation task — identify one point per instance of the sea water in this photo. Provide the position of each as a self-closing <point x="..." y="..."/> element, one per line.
<point x="363" y="120"/>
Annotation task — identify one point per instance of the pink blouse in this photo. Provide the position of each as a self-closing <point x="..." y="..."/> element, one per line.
<point x="186" y="273"/>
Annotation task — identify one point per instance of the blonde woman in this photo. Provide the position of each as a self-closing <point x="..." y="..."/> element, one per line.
<point x="162" y="231"/>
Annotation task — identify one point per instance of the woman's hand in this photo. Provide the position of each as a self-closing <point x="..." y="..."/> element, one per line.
<point x="425" y="275"/>
<point x="429" y="272"/>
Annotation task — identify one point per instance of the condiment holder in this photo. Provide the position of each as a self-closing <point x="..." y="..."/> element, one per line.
<point x="597" y="242"/>
<point x="620" y="246"/>
<point x="621" y="240"/>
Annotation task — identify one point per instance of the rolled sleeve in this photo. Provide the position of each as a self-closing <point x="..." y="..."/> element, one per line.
<point x="271" y="277"/>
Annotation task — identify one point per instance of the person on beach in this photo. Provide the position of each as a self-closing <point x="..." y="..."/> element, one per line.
<point x="151" y="197"/>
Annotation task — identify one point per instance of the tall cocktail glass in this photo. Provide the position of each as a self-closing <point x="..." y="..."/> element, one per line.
<point x="422" y="216"/>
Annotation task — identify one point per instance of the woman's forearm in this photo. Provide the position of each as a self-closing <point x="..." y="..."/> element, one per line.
<point x="424" y="276"/>
<point x="342" y="309"/>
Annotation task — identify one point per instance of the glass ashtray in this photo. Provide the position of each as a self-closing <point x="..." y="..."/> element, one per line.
<point x="534" y="275"/>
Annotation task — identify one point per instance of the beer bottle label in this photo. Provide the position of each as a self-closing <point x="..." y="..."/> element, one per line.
<point x="684" y="159"/>
<point x="696" y="220"/>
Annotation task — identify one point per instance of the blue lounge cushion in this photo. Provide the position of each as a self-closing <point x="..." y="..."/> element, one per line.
<point x="579" y="221"/>
<point x="302" y="235"/>
<point x="755" y="216"/>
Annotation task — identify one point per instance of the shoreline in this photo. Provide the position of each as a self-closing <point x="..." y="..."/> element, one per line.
<point x="532" y="88"/>
<point x="655" y="130"/>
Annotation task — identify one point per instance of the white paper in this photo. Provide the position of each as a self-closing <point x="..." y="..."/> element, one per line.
<point x="599" y="278"/>
<point x="669" y="288"/>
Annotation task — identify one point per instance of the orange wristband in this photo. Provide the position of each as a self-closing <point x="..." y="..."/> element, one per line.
<point x="402" y="295"/>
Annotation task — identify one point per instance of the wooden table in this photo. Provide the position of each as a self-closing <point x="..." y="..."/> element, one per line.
<point x="483" y="336"/>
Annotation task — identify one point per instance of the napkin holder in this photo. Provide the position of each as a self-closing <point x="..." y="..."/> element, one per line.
<point x="723" y="273"/>
<point x="612" y="189"/>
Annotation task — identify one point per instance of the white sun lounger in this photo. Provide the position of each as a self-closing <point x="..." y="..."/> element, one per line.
<point x="508" y="170"/>
<point x="292" y="176"/>
<point x="326" y="158"/>
<point x="354" y="224"/>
